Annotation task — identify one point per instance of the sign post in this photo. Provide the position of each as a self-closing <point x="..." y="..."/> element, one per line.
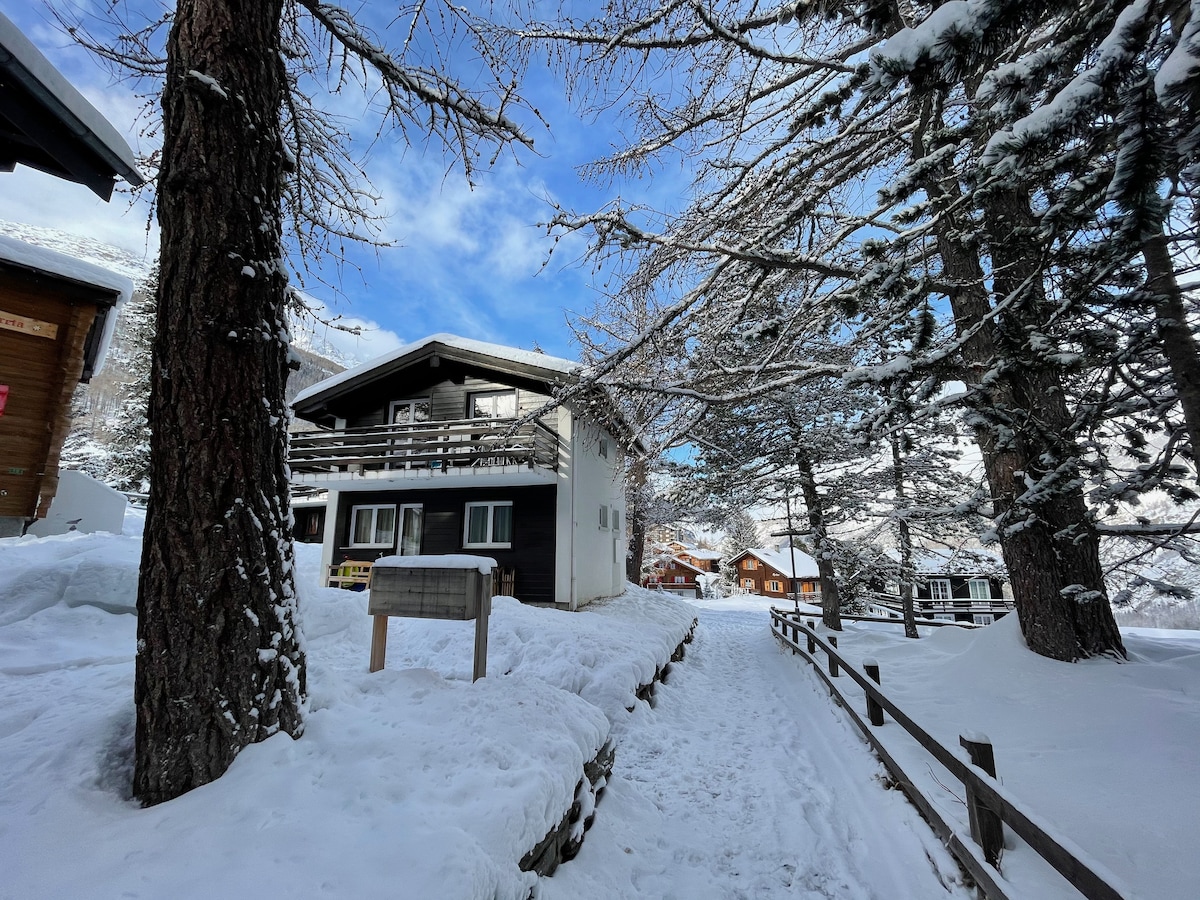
<point x="455" y="586"/>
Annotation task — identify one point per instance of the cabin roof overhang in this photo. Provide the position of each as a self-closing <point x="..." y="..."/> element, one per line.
<point x="72" y="280"/>
<point x="45" y="123"/>
<point x="516" y="367"/>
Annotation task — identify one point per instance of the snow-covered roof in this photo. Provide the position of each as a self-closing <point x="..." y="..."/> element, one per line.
<point x="549" y="367"/>
<point x="24" y="66"/>
<point x="701" y="553"/>
<point x="781" y="561"/>
<point x="963" y="561"/>
<point x="68" y="268"/>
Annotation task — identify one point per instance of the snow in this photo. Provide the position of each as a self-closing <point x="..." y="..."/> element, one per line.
<point x="69" y="268"/>
<point x="551" y="364"/>
<point x="484" y="564"/>
<point x="739" y="779"/>
<point x="12" y="40"/>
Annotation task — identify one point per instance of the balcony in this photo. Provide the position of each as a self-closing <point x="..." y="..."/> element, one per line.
<point x="462" y="448"/>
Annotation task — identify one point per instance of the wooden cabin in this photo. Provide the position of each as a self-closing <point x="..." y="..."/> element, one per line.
<point x="767" y="573"/>
<point x="56" y="318"/>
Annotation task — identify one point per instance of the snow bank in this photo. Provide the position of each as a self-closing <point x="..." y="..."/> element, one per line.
<point x="411" y="782"/>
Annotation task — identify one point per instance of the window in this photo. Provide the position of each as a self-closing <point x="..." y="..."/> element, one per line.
<point x="775" y="587"/>
<point x="616" y="519"/>
<point x="604" y="448"/>
<point x="680" y="579"/>
<point x="411" y="516"/>
<point x="748" y="583"/>
<point x="312" y="524"/>
<point x="984" y="618"/>
<point x="980" y="589"/>
<point x="373" y="526"/>
<point x="939" y="588"/>
<point x="943" y="617"/>
<point x="750" y="564"/>
<point x="493" y="405"/>
<point x="488" y="525"/>
<point x="603" y="516"/>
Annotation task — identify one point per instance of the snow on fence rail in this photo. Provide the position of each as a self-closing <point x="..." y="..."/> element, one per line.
<point x="989" y="803"/>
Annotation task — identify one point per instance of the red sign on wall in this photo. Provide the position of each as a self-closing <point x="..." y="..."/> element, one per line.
<point x="3" y="397"/>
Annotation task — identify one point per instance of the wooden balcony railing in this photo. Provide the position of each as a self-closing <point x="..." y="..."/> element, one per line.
<point x="437" y="446"/>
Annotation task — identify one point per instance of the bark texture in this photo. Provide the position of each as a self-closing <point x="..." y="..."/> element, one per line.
<point x="831" y="601"/>
<point x="220" y="660"/>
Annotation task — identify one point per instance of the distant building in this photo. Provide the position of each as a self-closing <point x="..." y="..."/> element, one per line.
<point x="768" y="573"/>
<point x="965" y="585"/>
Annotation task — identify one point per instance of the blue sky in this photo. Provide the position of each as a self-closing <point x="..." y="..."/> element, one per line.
<point x="468" y="262"/>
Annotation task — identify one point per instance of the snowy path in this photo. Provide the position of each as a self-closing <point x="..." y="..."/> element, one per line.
<point x="742" y="782"/>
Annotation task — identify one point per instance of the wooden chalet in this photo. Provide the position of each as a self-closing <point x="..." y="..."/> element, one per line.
<point x="57" y="314"/>
<point x="439" y="447"/>
<point x="768" y="573"/>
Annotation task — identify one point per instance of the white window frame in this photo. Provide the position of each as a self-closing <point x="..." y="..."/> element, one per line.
<point x="983" y="618"/>
<point x="749" y="564"/>
<point x="474" y="397"/>
<point x="944" y="617"/>
<point x="491" y="506"/>
<point x="986" y="585"/>
<point x="374" y="511"/>
<point x="940" y="584"/>
<point x="604" y="515"/>
<point x="616" y="519"/>
<point x="748" y="583"/>
<point x="775" y="585"/>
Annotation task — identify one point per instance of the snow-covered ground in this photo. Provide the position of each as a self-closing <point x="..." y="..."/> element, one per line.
<point x="741" y="779"/>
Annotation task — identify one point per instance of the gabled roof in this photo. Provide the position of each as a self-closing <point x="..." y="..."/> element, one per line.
<point x="962" y="562"/>
<point x="495" y="357"/>
<point x="669" y="561"/>
<point x="47" y="124"/>
<point x="781" y="561"/>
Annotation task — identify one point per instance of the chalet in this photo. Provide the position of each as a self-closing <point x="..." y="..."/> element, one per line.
<point x="964" y="585"/>
<point x="680" y="568"/>
<point x="57" y="316"/>
<point x="767" y="572"/>
<point x="442" y="446"/>
<point x="57" y="313"/>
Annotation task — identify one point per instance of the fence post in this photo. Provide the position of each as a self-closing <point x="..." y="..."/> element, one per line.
<point x="986" y="826"/>
<point x="833" y="666"/>
<point x="812" y="645"/>
<point x="795" y="635"/>
<point x="874" y="710"/>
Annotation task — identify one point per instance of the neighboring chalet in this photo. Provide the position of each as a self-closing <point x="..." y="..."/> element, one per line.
<point x="680" y="568"/>
<point x="57" y="313"/>
<point x="964" y="585"/>
<point x="436" y="448"/>
<point x="767" y="572"/>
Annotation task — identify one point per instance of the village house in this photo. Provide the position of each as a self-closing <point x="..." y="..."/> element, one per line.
<point x="963" y="585"/>
<point x="442" y="446"/>
<point x="57" y="313"/>
<point x="767" y="572"/>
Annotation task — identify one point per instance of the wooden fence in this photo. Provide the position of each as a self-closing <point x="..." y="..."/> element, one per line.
<point x="989" y="804"/>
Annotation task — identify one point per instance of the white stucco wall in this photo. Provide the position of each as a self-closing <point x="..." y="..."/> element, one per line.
<point x="596" y="481"/>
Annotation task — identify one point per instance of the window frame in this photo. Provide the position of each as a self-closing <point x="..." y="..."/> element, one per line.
<point x="987" y="588"/>
<point x="491" y="543"/>
<point x="604" y="515"/>
<point x="983" y="618"/>
<point x="935" y="583"/>
<point x="374" y="509"/>
<point x="775" y="586"/>
<point x="475" y="396"/>
<point x="615" y="520"/>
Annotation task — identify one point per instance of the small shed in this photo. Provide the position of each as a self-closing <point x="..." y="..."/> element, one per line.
<point x="57" y="316"/>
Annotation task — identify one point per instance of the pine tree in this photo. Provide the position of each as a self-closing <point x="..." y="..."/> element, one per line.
<point x="128" y="467"/>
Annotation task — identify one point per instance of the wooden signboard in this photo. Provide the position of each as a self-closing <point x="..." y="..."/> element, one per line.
<point x="26" y="325"/>
<point x="429" y="592"/>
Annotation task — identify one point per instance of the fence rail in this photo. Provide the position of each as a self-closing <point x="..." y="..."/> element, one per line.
<point x="987" y="798"/>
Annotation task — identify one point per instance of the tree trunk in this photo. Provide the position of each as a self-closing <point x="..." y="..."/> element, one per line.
<point x="904" y="539"/>
<point x="220" y="660"/>
<point x="1045" y="524"/>
<point x="1174" y="335"/>
<point x="831" y="602"/>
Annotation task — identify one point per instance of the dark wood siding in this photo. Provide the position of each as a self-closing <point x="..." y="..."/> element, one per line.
<point x="532" y="553"/>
